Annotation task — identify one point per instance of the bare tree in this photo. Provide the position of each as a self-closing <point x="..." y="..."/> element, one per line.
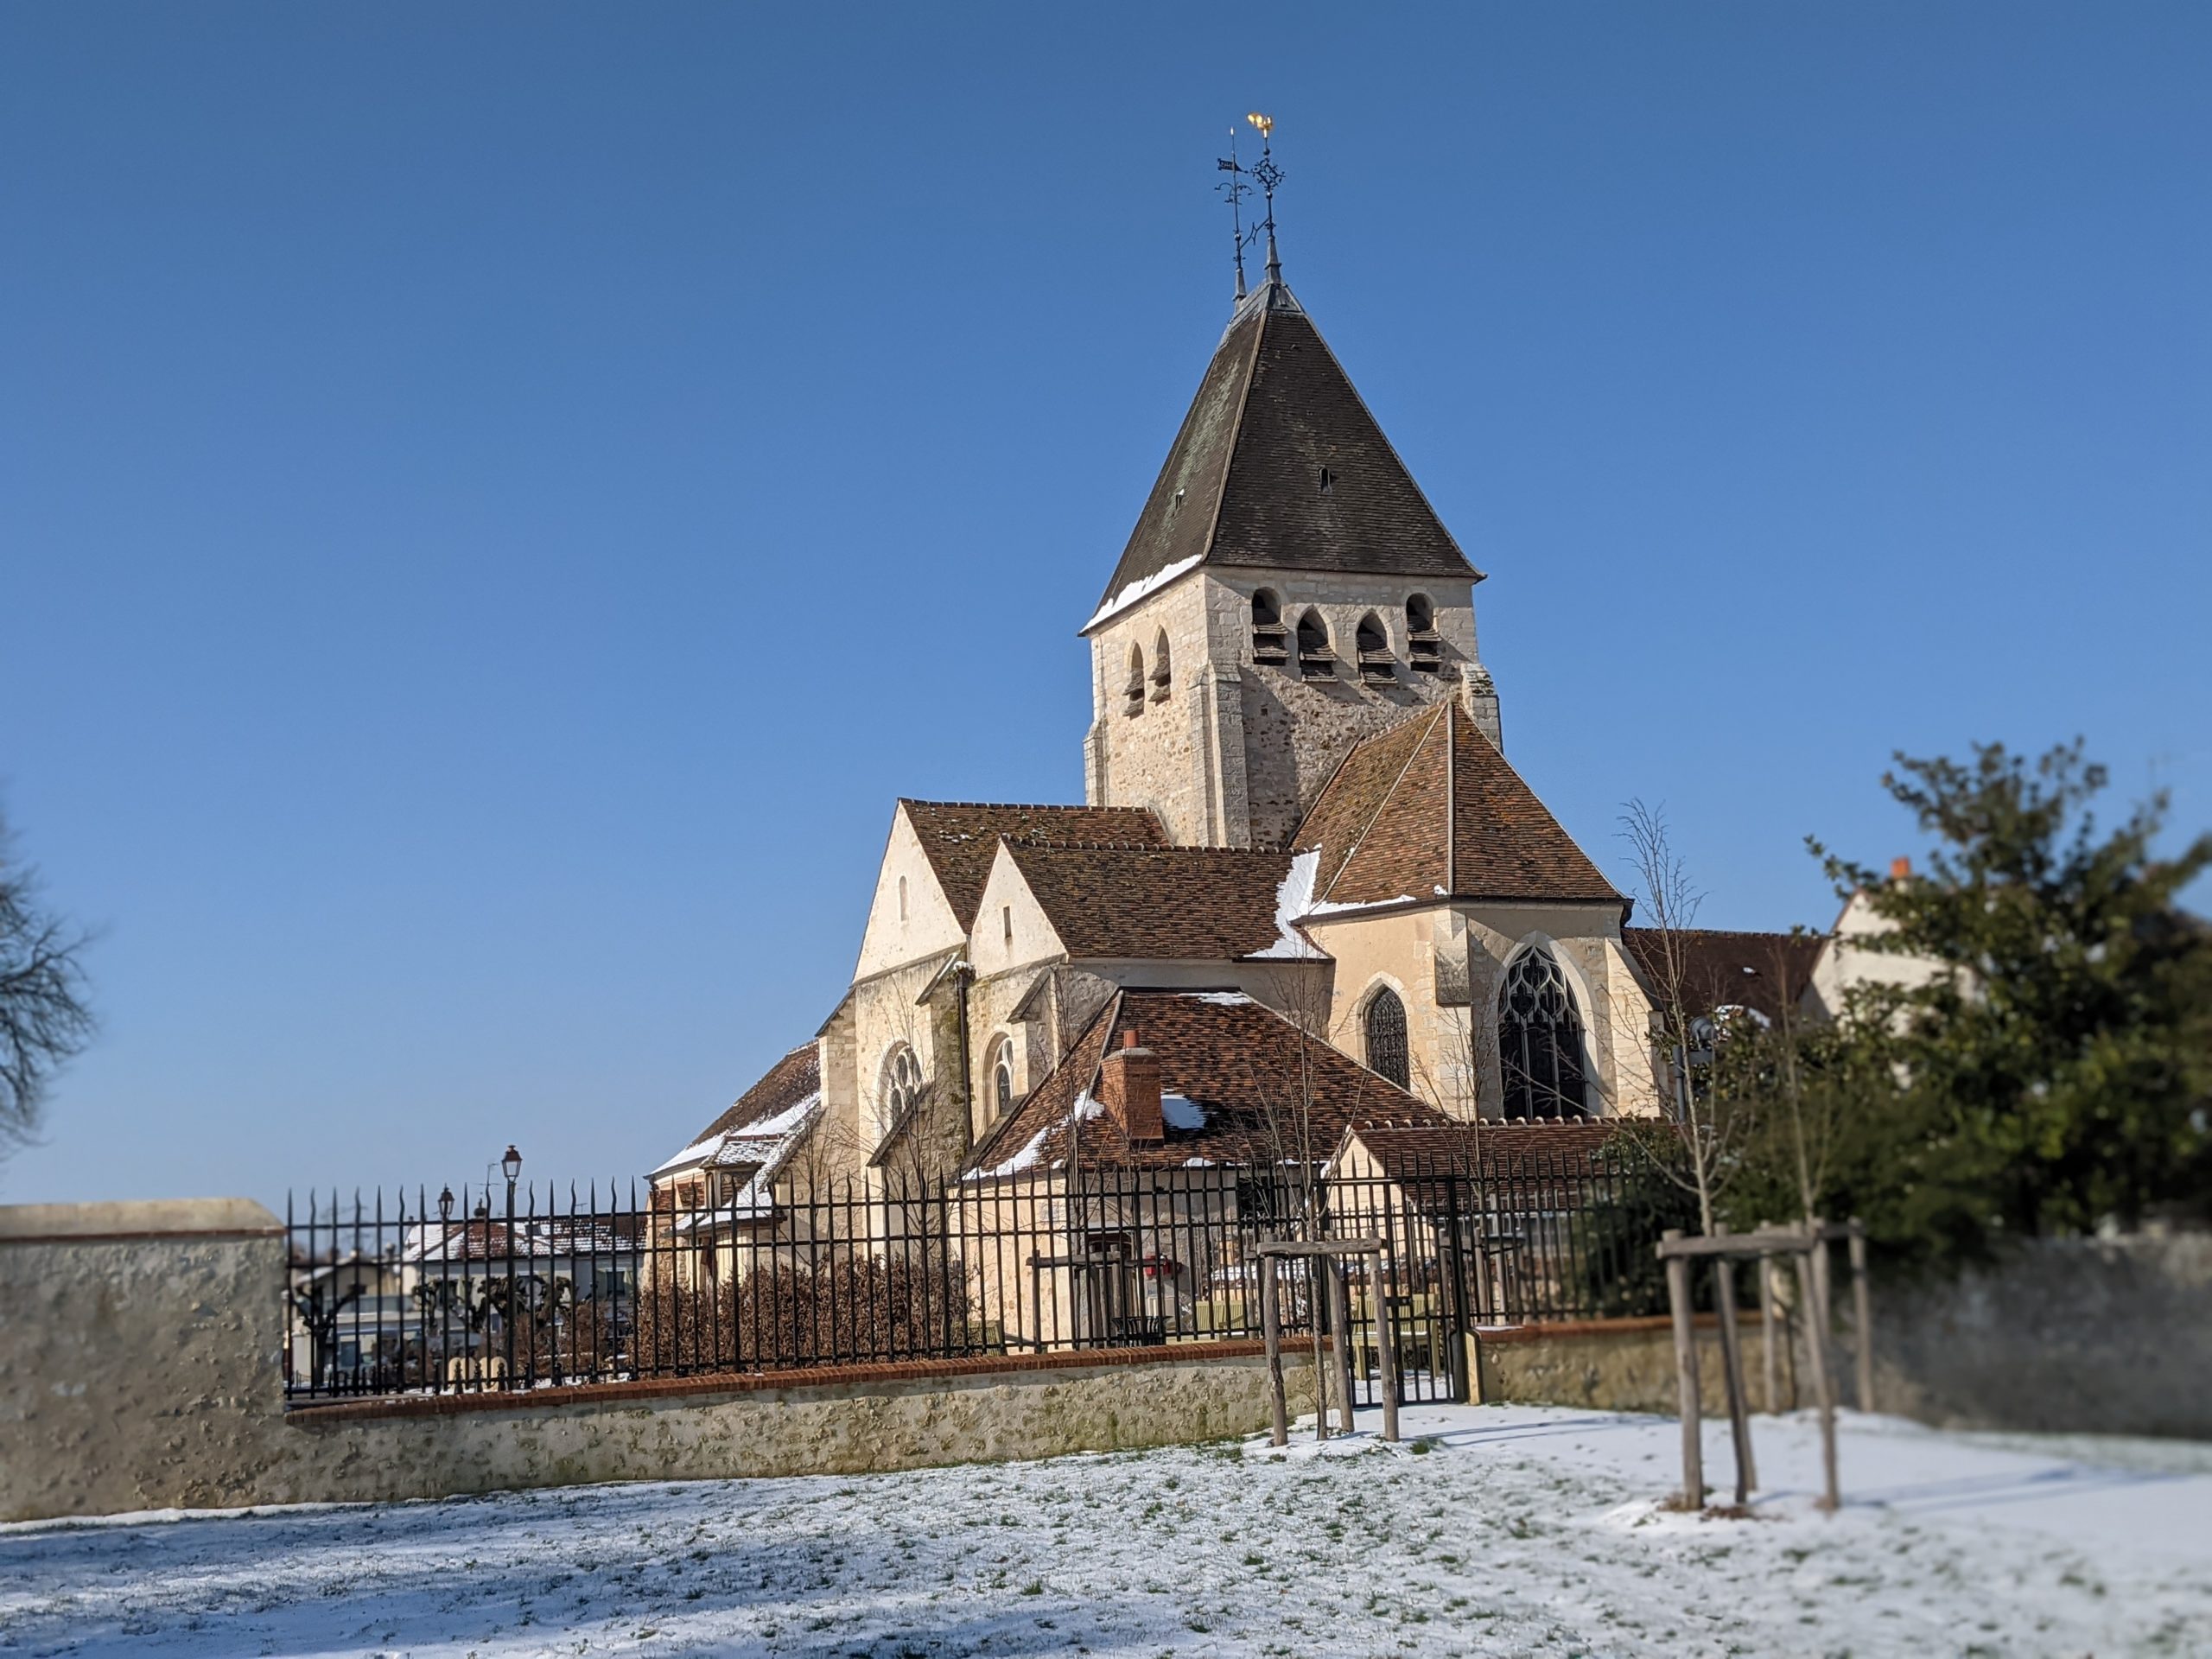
<point x="44" y="1017"/>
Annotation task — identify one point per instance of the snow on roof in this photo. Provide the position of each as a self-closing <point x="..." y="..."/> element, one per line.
<point x="1295" y="899"/>
<point x="1138" y="589"/>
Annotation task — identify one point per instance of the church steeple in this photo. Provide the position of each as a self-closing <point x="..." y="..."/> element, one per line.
<point x="1279" y="465"/>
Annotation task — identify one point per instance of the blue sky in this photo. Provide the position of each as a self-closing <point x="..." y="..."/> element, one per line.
<point x="495" y="502"/>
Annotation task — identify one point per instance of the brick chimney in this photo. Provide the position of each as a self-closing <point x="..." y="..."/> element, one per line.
<point x="1900" y="869"/>
<point x="1128" y="1088"/>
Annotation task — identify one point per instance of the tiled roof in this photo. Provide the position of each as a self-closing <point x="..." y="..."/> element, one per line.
<point x="1403" y="1150"/>
<point x="1211" y="903"/>
<point x="1430" y="809"/>
<point x="1726" y="969"/>
<point x="1235" y="1061"/>
<point x="962" y="837"/>
<point x="787" y="1085"/>
<point x="1243" y="480"/>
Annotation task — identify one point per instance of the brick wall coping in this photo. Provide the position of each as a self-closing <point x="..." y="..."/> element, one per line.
<point x="731" y="1384"/>
<point x="1505" y="1333"/>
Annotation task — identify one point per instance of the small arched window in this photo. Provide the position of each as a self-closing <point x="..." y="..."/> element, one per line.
<point x="1424" y="648"/>
<point x="1002" y="1085"/>
<point x="1315" y="660"/>
<point x="1539" y="1040"/>
<point x="1386" y="1053"/>
<point x="901" y="1090"/>
<point x="1270" y="639"/>
<point x="1374" y="664"/>
<point x="1162" y="677"/>
<point x="1133" y="691"/>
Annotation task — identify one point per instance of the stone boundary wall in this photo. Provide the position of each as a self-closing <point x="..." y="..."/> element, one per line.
<point x="1605" y="1365"/>
<point x="140" y="1368"/>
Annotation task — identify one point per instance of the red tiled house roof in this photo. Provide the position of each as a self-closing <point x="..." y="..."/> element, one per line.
<point x="1723" y="967"/>
<point x="1238" y="1062"/>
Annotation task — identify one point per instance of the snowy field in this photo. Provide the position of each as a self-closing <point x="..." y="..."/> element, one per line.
<point x="1506" y="1530"/>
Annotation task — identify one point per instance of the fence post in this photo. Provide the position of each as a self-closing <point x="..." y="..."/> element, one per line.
<point x="1678" y="1304"/>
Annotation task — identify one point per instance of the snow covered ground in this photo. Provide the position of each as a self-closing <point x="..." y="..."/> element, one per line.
<point x="1505" y="1530"/>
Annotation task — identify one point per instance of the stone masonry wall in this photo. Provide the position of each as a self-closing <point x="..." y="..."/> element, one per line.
<point x="140" y="1368"/>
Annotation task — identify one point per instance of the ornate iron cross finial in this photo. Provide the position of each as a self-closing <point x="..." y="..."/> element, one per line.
<point x="1267" y="175"/>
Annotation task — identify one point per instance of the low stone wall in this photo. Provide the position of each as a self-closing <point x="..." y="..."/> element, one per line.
<point x="2110" y="1335"/>
<point x="140" y="1368"/>
<point x="1605" y="1365"/>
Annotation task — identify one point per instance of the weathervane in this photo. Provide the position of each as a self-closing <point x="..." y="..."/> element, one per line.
<point x="1267" y="175"/>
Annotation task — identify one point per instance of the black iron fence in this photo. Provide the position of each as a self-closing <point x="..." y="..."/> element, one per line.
<point x="513" y="1288"/>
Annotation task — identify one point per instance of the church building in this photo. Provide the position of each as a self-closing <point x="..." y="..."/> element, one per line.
<point x="1301" y="837"/>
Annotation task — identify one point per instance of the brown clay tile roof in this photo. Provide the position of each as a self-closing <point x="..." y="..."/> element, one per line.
<point x="1213" y="904"/>
<point x="1242" y="482"/>
<point x="962" y="837"/>
<point x="1405" y="1150"/>
<point x="1430" y="809"/>
<point x="1727" y="969"/>
<point x="1235" y="1060"/>
<point x="787" y="1083"/>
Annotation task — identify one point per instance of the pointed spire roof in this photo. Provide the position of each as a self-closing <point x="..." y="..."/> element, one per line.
<point x="1243" y="483"/>
<point x="1429" y="810"/>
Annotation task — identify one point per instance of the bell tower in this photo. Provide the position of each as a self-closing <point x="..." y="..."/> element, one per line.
<point x="1287" y="591"/>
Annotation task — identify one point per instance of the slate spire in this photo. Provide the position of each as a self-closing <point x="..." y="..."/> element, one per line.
<point x="1279" y="465"/>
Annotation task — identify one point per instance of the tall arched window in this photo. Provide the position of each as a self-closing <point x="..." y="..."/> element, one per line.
<point x="1162" y="678"/>
<point x="1386" y="1037"/>
<point x="1270" y="639"/>
<point x="1375" y="666"/>
<point x="1424" y="647"/>
<point x="1539" y="1040"/>
<point x="1133" y="692"/>
<point x="900" y="1089"/>
<point x="1315" y="660"/>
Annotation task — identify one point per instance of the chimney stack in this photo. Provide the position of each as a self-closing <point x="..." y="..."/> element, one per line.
<point x="1128" y="1088"/>
<point x="1900" y="869"/>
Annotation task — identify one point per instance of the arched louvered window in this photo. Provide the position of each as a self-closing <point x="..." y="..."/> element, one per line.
<point x="1386" y="1037"/>
<point x="1315" y="660"/>
<point x="1270" y="639"/>
<point x="1162" y="677"/>
<point x="1539" y="1040"/>
<point x="1424" y="647"/>
<point x="1373" y="644"/>
<point x="1133" y="692"/>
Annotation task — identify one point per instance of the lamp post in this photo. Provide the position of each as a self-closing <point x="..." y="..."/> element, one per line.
<point x="510" y="1167"/>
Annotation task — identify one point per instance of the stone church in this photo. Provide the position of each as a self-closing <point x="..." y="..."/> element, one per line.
<point x="1300" y="824"/>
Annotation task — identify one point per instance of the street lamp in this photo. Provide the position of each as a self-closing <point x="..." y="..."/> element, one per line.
<point x="511" y="1166"/>
<point x="445" y="1205"/>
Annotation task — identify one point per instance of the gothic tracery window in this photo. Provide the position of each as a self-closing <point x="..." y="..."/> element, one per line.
<point x="901" y="1089"/>
<point x="1539" y="1040"/>
<point x="1001" y="1078"/>
<point x="1387" y="1054"/>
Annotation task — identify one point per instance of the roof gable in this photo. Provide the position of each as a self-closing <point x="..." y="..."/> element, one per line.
<point x="1430" y="810"/>
<point x="960" y="838"/>
<point x="1242" y="484"/>
<point x="771" y="1108"/>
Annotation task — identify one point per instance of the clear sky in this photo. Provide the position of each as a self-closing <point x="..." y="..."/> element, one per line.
<point x="497" y="501"/>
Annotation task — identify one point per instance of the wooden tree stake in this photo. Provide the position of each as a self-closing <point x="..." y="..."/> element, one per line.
<point x="1862" y="1314"/>
<point x="1271" y="1329"/>
<point x="1731" y="1366"/>
<point x="1678" y="1304"/>
<point x="1810" y="1292"/>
